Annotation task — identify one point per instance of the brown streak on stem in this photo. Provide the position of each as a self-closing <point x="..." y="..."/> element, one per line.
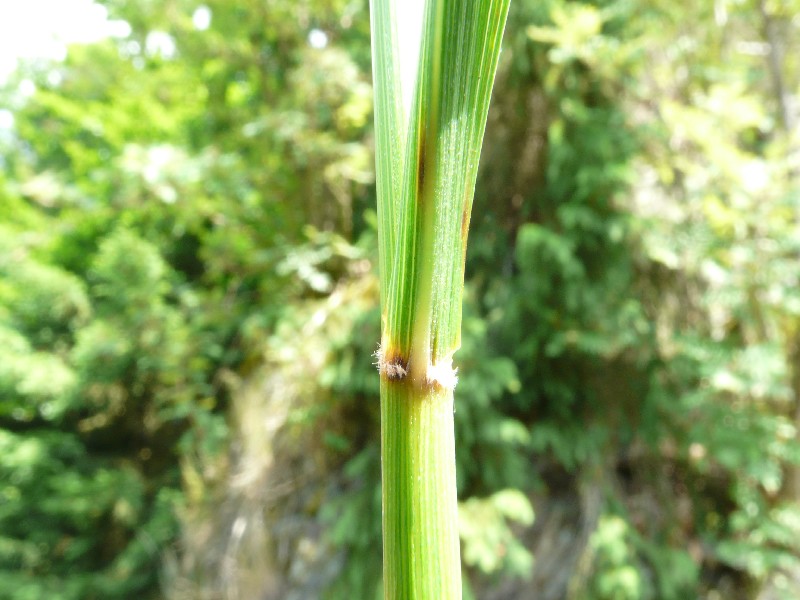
<point x="421" y="153"/>
<point x="465" y="223"/>
<point x="465" y="215"/>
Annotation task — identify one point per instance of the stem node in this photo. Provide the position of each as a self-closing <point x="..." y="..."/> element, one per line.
<point x="393" y="367"/>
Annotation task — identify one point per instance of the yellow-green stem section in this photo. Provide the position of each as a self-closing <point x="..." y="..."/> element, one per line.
<point x="420" y="512"/>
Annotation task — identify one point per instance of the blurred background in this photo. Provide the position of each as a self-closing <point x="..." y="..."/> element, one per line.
<point x="188" y="304"/>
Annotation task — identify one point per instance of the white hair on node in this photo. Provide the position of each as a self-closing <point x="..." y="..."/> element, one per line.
<point x="392" y="369"/>
<point x="443" y="374"/>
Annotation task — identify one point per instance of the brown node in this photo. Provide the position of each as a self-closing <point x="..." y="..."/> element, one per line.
<point x="392" y="366"/>
<point x="394" y="370"/>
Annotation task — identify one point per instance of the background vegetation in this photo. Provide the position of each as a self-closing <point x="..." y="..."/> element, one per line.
<point x="188" y="305"/>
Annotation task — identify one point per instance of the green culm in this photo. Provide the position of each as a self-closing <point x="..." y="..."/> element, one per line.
<point x="427" y="156"/>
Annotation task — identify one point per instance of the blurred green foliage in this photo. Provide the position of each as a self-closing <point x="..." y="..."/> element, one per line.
<point x="188" y="305"/>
